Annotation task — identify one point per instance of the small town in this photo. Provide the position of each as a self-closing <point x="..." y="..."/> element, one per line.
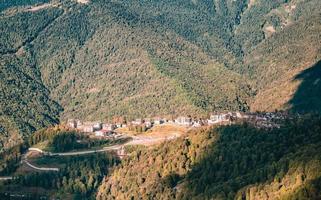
<point x="160" y="99"/>
<point x="266" y="120"/>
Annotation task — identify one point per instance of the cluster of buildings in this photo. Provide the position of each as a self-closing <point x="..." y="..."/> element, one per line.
<point x="182" y="121"/>
<point x="262" y="120"/>
<point x="268" y="120"/>
<point x="98" y="128"/>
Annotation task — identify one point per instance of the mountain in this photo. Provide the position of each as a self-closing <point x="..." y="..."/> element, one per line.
<point x="232" y="162"/>
<point x="98" y="59"/>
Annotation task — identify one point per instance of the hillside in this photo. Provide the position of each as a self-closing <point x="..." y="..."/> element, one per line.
<point x="25" y="105"/>
<point x="279" y="78"/>
<point x="141" y="68"/>
<point x="233" y="162"/>
<point x="65" y="59"/>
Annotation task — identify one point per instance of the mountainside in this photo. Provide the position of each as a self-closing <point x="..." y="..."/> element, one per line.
<point x="232" y="162"/>
<point x="25" y="105"/>
<point x="99" y="59"/>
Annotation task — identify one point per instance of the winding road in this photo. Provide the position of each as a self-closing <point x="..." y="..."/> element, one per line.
<point x="76" y="153"/>
<point x="141" y="140"/>
<point x="41" y="168"/>
<point x="5" y="178"/>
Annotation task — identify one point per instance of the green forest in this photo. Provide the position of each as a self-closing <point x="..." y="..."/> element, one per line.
<point x="233" y="162"/>
<point x="222" y="162"/>
<point x="102" y="60"/>
<point x="80" y="176"/>
<point x="130" y="59"/>
<point x="9" y="159"/>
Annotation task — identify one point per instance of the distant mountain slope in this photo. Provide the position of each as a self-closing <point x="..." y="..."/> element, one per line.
<point x="144" y="58"/>
<point x="276" y="62"/>
<point x="124" y="72"/>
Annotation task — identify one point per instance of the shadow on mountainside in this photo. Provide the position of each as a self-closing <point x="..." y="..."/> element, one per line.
<point x="307" y="98"/>
<point x="244" y="156"/>
<point x="227" y="162"/>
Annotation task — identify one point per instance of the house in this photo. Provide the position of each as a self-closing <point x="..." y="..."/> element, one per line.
<point x="197" y="124"/>
<point x="109" y="127"/>
<point x="137" y="121"/>
<point x="148" y="124"/>
<point x="246" y="116"/>
<point x="79" y="123"/>
<point x="97" y="126"/>
<point x="88" y="128"/>
<point x="184" y="121"/>
<point x="218" y="118"/>
<point x="119" y="125"/>
<point x="158" y="120"/>
<point x="235" y="115"/>
<point x="72" y="123"/>
<point x="238" y="115"/>
<point x="260" y="118"/>
<point x="101" y="133"/>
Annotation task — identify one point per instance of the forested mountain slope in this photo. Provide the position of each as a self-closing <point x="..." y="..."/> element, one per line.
<point x="276" y="63"/>
<point x="25" y="105"/>
<point x="140" y="58"/>
<point x="232" y="162"/>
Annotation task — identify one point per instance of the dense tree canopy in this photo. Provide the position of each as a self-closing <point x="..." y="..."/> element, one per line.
<point x="134" y="59"/>
<point x="80" y="176"/>
<point x="225" y="163"/>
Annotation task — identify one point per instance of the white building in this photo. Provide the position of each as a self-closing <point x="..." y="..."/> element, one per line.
<point x="97" y="126"/>
<point x="218" y="118"/>
<point x="88" y="128"/>
<point x="183" y="121"/>
<point x="72" y="123"/>
<point x="148" y="124"/>
<point x="79" y="123"/>
<point x="196" y="124"/>
<point x="158" y="120"/>
<point x="99" y="133"/>
<point x="102" y="133"/>
<point x="119" y="125"/>
<point x="137" y="122"/>
<point x="238" y="115"/>
<point x="109" y="127"/>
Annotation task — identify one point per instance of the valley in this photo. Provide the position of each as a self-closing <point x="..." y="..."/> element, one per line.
<point x="150" y="64"/>
<point x="123" y="99"/>
<point x="122" y="141"/>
